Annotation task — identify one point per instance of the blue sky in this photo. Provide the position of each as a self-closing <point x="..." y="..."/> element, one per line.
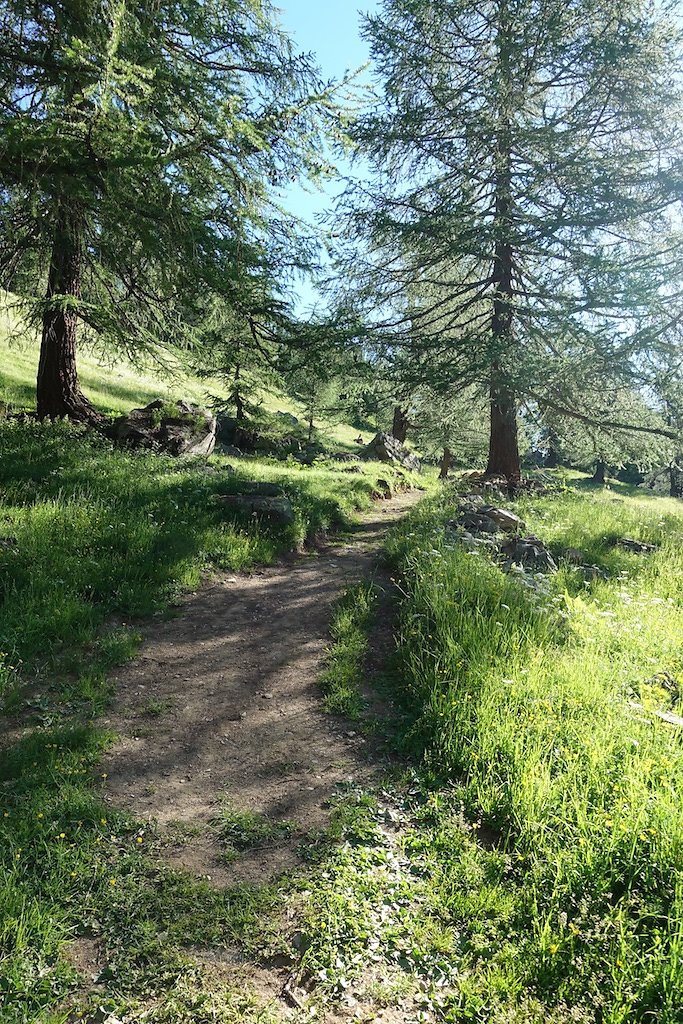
<point x="331" y="33"/>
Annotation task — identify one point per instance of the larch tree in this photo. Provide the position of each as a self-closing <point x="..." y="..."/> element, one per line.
<point x="518" y="222"/>
<point x="141" y="144"/>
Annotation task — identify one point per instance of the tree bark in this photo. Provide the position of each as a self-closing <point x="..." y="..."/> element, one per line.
<point x="446" y="463"/>
<point x="675" y="480"/>
<point x="400" y="425"/>
<point x="600" y="471"/>
<point x="240" y="413"/>
<point x="58" y="392"/>
<point x="504" y="443"/>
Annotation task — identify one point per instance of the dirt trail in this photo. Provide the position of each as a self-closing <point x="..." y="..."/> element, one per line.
<point x="223" y="704"/>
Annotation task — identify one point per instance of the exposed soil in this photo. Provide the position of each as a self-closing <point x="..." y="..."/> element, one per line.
<point x="223" y="706"/>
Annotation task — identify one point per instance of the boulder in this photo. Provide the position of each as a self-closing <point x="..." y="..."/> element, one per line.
<point x="287" y="417"/>
<point x="176" y="428"/>
<point x="385" y="448"/>
<point x="277" y="510"/>
<point x="229" y="449"/>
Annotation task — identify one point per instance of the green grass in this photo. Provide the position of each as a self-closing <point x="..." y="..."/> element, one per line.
<point x="116" y="385"/>
<point x="341" y="681"/>
<point x="524" y="699"/>
<point x="105" y="534"/>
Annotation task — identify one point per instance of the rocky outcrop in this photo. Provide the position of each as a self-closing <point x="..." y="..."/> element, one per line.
<point x="385" y="448"/>
<point x="178" y="428"/>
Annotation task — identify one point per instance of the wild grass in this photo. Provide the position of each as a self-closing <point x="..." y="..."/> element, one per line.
<point x="341" y="681"/>
<point x="96" y="538"/>
<point x="541" y="705"/>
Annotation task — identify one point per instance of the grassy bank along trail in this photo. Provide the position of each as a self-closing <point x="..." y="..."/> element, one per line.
<point x="539" y="707"/>
<point x="92" y="541"/>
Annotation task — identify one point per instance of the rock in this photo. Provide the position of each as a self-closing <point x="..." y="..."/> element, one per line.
<point x="261" y="489"/>
<point x="288" y="417"/>
<point x="344" y="457"/>
<point x="593" y="572"/>
<point x="504" y="520"/>
<point x="475" y="522"/>
<point x="574" y="556"/>
<point x="176" y="428"/>
<point x="229" y="449"/>
<point x="637" y="546"/>
<point x="8" y="543"/>
<point x="385" y="448"/>
<point x="531" y="553"/>
<point x="669" y="718"/>
<point x="384" y="488"/>
<point x="276" y="509"/>
<point x="352" y="469"/>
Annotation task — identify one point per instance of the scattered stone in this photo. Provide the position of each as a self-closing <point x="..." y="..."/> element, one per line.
<point x="637" y="546"/>
<point x="530" y="552"/>
<point x="288" y="417"/>
<point x="178" y="428"/>
<point x="384" y="488"/>
<point x="385" y="448"/>
<point x="229" y="449"/>
<point x="669" y="718"/>
<point x="505" y="520"/>
<point x="574" y="556"/>
<point x="266" y="696"/>
<point x="277" y="509"/>
<point x="344" y="457"/>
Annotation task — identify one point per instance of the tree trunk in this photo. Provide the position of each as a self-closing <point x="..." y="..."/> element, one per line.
<point x="675" y="480"/>
<point x="400" y="425"/>
<point x="600" y="471"/>
<point x="503" y="445"/>
<point x="446" y="463"/>
<point x="58" y="392"/>
<point x="240" y="414"/>
<point x="310" y="428"/>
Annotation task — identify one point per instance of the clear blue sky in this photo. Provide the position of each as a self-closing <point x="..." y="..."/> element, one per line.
<point x="331" y="33"/>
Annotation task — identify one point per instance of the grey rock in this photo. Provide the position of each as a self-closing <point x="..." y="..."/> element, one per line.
<point x="190" y="430"/>
<point x="385" y="448"/>
<point x="504" y="519"/>
<point x="344" y="457"/>
<point x="229" y="449"/>
<point x="275" y="509"/>
<point x="637" y="546"/>
<point x="531" y="553"/>
<point x="260" y="488"/>
<point x="288" y="417"/>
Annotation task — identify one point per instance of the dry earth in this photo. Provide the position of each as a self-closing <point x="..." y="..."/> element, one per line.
<point x="223" y="706"/>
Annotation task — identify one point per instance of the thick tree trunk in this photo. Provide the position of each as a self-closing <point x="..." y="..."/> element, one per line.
<point x="600" y="471"/>
<point x="58" y="392"/>
<point x="503" y="443"/>
<point x="675" y="480"/>
<point x="446" y="463"/>
<point x="400" y="425"/>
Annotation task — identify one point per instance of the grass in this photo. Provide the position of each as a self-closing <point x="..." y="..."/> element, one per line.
<point x="341" y="681"/>
<point x="98" y="536"/>
<point x="538" y="707"/>
<point x="115" y="385"/>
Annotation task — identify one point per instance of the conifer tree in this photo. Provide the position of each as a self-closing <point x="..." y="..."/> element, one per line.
<point x="526" y="162"/>
<point x="140" y="143"/>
